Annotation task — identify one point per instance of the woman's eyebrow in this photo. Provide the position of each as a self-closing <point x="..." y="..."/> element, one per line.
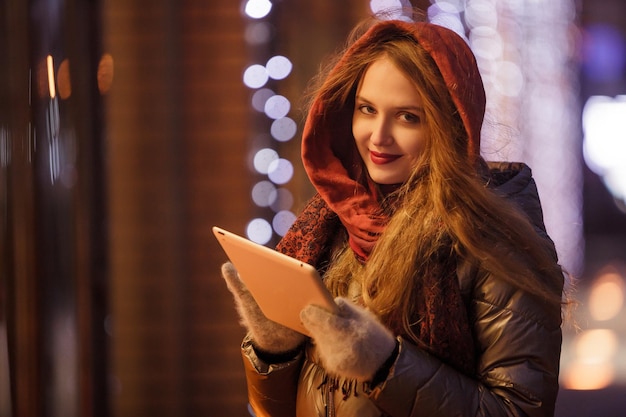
<point x="417" y="109"/>
<point x="409" y="107"/>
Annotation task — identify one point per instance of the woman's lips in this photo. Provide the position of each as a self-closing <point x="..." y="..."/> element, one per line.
<point x="382" y="158"/>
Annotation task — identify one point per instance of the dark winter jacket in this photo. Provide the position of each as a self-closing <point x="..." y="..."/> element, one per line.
<point x="518" y="340"/>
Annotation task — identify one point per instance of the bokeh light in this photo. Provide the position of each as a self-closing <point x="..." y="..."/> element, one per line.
<point x="282" y="222"/>
<point x="283" y="129"/>
<point x="105" y="73"/>
<point x="260" y="97"/>
<point x="258" y="33"/>
<point x="280" y="171"/>
<point x="255" y="76"/>
<point x="606" y="296"/>
<point x="278" y="67"/>
<point x="392" y="9"/>
<point x="588" y="376"/>
<point x="277" y="106"/>
<point x="604" y="53"/>
<point x="525" y="57"/>
<point x="447" y="14"/>
<point x="593" y="366"/>
<point x="486" y="43"/>
<point x="508" y="79"/>
<point x="257" y="9"/>
<point x="268" y="104"/>
<point x="64" y="80"/>
<point x="596" y="345"/>
<point x="264" y="193"/>
<point x="481" y="13"/>
<point x="259" y="231"/>
<point x="263" y="158"/>
<point x="604" y="144"/>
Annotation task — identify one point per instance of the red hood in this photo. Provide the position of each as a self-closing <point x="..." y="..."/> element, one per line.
<point x="328" y="150"/>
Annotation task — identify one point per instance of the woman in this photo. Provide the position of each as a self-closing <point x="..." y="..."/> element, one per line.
<point x="448" y="287"/>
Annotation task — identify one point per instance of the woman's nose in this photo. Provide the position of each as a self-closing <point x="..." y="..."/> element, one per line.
<point x="381" y="133"/>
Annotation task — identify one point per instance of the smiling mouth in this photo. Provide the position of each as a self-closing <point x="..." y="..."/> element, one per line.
<point x="382" y="158"/>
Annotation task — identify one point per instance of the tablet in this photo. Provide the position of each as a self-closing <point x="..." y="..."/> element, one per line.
<point x="281" y="285"/>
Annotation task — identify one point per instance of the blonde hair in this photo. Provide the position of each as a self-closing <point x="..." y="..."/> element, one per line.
<point x="444" y="211"/>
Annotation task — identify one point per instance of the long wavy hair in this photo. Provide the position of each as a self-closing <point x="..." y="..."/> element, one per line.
<point x="445" y="210"/>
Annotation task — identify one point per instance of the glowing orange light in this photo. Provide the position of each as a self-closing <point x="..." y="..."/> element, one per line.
<point x="105" y="73"/>
<point x="64" y="84"/>
<point x="588" y="376"/>
<point x="51" y="86"/>
<point x="606" y="298"/>
<point x="593" y="366"/>
<point x="596" y="346"/>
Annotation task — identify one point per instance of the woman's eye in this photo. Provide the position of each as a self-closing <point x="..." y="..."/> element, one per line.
<point x="366" y="109"/>
<point x="410" y="117"/>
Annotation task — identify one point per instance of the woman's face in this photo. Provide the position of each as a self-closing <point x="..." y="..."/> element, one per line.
<point x="388" y="123"/>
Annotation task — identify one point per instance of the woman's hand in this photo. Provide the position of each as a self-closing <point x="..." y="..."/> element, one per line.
<point x="352" y="343"/>
<point x="267" y="335"/>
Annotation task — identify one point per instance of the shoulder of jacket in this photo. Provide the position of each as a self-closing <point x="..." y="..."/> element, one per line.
<point x="488" y="293"/>
<point x="481" y="290"/>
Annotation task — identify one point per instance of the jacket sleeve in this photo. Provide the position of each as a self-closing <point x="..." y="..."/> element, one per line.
<point x="272" y="388"/>
<point x="518" y="342"/>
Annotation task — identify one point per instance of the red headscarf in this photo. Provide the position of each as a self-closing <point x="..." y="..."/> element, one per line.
<point x="328" y="151"/>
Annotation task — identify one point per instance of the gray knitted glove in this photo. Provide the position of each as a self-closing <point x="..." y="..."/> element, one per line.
<point x="267" y="335"/>
<point x="352" y="343"/>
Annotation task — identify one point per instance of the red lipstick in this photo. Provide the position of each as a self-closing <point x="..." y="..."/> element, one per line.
<point x="382" y="158"/>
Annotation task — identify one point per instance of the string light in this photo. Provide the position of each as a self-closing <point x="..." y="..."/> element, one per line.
<point x="525" y="56"/>
<point x="273" y="110"/>
<point x="257" y="9"/>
